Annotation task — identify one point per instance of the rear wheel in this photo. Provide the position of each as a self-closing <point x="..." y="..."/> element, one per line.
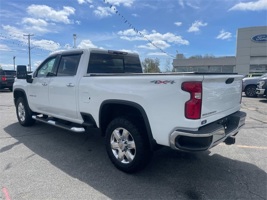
<point x="24" y="113"/>
<point x="250" y="91"/>
<point x="126" y="145"/>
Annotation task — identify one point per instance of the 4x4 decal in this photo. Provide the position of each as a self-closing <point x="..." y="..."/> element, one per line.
<point x="163" y="82"/>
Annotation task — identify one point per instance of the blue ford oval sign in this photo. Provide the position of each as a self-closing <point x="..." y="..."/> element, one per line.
<point x="259" y="38"/>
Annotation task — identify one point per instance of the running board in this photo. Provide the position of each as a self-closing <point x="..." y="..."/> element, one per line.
<point x="59" y="124"/>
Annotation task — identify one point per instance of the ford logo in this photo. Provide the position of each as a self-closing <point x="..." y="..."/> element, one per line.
<point x="260" y="38"/>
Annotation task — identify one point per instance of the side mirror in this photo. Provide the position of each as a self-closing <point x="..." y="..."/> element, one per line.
<point x="21" y="71"/>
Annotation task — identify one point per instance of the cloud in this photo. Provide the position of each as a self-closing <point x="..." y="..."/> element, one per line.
<point x="196" y="25"/>
<point x="84" y="1"/>
<point x="33" y="24"/>
<point x="126" y="3"/>
<point x="157" y="54"/>
<point x="181" y="3"/>
<point x="18" y="35"/>
<point x="178" y="23"/>
<point x="86" y="44"/>
<point x="224" y="35"/>
<point x="160" y="40"/>
<point x="251" y="6"/>
<point x="103" y="12"/>
<point x="184" y="3"/>
<point x="4" y="47"/>
<point x="48" y="13"/>
<point x="159" y="43"/>
<point x="15" y="33"/>
<point x="48" y="45"/>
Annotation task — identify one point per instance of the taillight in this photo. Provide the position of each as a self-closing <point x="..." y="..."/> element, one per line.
<point x="3" y="78"/>
<point x="193" y="105"/>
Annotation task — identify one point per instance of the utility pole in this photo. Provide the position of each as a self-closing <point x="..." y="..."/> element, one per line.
<point x="14" y="57"/>
<point x="29" y="46"/>
<point x="74" y="40"/>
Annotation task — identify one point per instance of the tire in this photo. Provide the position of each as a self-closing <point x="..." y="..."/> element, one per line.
<point x="126" y="145"/>
<point x="250" y="91"/>
<point x="11" y="89"/>
<point x="24" y="113"/>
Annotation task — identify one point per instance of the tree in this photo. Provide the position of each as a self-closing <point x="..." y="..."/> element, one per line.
<point x="151" y="65"/>
<point x="205" y="56"/>
<point x="168" y="65"/>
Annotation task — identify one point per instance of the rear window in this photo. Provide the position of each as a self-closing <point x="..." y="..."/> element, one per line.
<point x="8" y="73"/>
<point x="112" y="63"/>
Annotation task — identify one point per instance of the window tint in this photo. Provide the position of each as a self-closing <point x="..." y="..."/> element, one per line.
<point x="46" y="67"/>
<point x="109" y="63"/>
<point x="10" y="73"/>
<point x="68" y="65"/>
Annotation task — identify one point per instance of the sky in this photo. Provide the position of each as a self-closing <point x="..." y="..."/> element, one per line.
<point x="152" y="28"/>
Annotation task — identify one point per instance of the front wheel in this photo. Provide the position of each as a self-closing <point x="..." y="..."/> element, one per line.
<point x="24" y="113"/>
<point x="250" y="91"/>
<point x="126" y="145"/>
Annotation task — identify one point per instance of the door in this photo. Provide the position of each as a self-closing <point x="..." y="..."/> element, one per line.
<point x="63" y="88"/>
<point x="38" y="89"/>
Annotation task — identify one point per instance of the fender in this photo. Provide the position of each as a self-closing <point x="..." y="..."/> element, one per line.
<point x="136" y="106"/>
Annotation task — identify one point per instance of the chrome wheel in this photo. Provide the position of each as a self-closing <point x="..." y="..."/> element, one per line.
<point x="123" y="145"/>
<point x="21" y="112"/>
<point x="24" y="113"/>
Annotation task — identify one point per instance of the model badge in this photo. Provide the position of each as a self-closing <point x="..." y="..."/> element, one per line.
<point x="163" y="82"/>
<point x="259" y="38"/>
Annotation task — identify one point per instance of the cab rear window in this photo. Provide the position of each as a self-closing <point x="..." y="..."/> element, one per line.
<point x="113" y="63"/>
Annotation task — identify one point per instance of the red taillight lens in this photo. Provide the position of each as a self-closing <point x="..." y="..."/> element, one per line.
<point x="3" y="78"/>
<point x="193" y="105"/>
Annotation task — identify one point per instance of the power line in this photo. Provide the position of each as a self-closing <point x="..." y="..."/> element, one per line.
<point x="126" y="21"/>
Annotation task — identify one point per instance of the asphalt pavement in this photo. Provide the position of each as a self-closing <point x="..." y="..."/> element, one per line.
<point x="44" y="162"/>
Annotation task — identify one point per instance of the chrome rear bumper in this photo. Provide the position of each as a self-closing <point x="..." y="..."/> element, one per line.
<point x="208" y="136"/>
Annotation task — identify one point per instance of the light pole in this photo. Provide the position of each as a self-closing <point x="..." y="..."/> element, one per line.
<point x="14" y="62"/>
<point x="74" y="40"/>
<point x="29" y="47"/>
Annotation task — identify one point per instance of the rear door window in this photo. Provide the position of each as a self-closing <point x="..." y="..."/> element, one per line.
<point x="68" y="65"/>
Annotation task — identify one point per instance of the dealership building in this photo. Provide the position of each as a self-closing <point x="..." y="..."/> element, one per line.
<point x="251" y="56"/>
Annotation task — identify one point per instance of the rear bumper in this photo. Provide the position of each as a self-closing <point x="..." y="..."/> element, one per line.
<point x="6" y="84"/>
<point x="208" y="136"/>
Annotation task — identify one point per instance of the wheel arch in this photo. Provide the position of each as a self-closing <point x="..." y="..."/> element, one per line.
<point x="111" y="109"/>
<point x="251" y="84"/>
<point x="19" y="93"/>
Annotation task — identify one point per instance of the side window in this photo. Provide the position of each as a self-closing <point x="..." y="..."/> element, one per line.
<point x="46" y="67"/>
<point x="105" y="63"/>
<point x="68" y="65"/>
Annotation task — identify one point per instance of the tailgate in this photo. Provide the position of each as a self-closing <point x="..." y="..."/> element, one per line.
<point x="221" y="93"/>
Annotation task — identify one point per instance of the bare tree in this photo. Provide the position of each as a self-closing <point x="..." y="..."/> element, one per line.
<point x="168" y="65"/>
<point x="151" y="65"/>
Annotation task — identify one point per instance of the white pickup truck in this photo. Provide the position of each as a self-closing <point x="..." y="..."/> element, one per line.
<point x="136" y="112"/>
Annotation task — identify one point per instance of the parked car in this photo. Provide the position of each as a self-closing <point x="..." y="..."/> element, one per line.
<point x="83" y="89"/>
<point x="250" y="85"/>
<point x="7" y="78"/>
<point x="253" y="75"/>
<point x="262" y="87"/>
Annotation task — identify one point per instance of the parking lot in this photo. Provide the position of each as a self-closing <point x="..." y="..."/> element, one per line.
<point x="45" y="162"/>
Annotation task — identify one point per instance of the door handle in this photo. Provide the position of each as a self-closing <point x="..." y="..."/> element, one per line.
<point x="70" y="85"/>
<point x="44" y="84"/>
